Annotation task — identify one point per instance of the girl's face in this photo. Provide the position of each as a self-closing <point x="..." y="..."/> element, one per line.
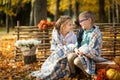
<point x="68" y="26"/>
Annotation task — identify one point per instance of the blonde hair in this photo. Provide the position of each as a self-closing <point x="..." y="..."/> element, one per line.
<point x="88" y="14"/>
<point x="60" y="22"/>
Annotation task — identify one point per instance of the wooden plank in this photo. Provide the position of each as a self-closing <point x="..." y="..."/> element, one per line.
<point x="110" y="54"/>
<point x="108" y="24"/>
<point x="108" y="37"/>
<point x="25" y="27"/>
<point x="22" y="32"/>
<point x="107" y="48"/>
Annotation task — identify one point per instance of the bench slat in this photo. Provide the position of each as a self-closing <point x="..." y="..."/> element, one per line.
<point x="25" y="32"/>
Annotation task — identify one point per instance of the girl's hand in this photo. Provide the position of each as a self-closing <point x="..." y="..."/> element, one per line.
<point x="76" y="51"/>
<point x="64" y="42"/>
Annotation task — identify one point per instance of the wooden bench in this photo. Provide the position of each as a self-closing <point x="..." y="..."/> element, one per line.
<point x="111" y="39"/>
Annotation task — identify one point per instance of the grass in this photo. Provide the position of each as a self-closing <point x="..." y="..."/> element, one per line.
<point x="3" y="29"/>
<point x="4" y="34"/>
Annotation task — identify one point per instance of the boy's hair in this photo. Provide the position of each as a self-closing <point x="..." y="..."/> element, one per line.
<point x="88" y="14"/>
<point x="61" y="21"/>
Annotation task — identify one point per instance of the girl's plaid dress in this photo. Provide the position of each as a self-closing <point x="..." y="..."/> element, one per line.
<point x="56" y="65"/>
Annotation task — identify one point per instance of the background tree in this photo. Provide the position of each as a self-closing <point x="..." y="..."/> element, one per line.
<point x="117" y="10"/>
<point x="11" y="8"/>
<point x="101" y="10"/>
<point x="69" y="8"/>
<point x="32" y="13"/>
<point x="109" y="9"/>
<point x="7" y="16"/>
<point x="40" y="11"/>
<point x="89" y="5"/>
<point x="57" y="9"/>
<point x="76" y="9"/>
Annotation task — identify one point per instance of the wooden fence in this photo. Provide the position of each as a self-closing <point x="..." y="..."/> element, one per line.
<point x="110" y="31"/>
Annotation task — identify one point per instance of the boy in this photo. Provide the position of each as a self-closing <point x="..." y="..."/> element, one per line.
<point x="88" y="48"/>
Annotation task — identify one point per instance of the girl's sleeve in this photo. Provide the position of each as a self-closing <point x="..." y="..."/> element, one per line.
<point x="56" y="44"/>
<point x="73" y="45"/>
<point x="74" y="39"/>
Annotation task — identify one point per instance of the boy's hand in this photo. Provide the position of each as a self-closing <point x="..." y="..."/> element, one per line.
<point x="77" y="51"/>
<point x="80" y="53"/>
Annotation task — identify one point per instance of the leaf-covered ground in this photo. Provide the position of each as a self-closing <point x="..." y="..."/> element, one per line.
<point x="11" y="69"/>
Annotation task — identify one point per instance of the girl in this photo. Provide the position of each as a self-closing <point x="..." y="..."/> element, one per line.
<point x="63" y="39"/>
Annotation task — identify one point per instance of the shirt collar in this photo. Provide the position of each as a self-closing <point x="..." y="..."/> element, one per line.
<point x="89" y="31"/>
<point x="67" y="36"/>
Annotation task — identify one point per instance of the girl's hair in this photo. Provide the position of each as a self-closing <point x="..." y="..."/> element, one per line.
<point x="88" y="14"/>
<point x="60" y="22"/>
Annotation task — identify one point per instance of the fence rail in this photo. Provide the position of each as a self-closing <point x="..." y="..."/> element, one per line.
<point x="110" y="31"/>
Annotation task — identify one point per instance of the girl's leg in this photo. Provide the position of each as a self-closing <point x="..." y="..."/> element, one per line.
<point x="71" y="58"/>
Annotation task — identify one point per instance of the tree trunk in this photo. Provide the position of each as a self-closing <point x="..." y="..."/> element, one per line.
<point x="57" y="9"/>
<point x="110" y="13"/>
<point x="101" y="11"/>
<point x="76" y="9"/>
<point x="113" y="11"/>
<point x="117" y="12"/>
<point x="11" y="21"/>
<point x="7" y="16"/>
<point x="7" y="26"/>
<point x="32" y="13"/>
<point x="40" y="11"/>
<point x="69" y="8"/>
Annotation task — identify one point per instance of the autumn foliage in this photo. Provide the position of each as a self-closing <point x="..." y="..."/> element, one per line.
<point x="101" y="74"/>
<point x="113" y="72"/>
<point x="9" y="68"/>
<point x="44" y="24"/>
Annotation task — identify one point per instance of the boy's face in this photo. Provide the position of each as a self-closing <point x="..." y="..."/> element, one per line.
<point x="84" y="22"/>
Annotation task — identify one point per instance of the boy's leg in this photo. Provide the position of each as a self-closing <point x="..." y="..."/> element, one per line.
<point x="71" y="58"/>
<point x="79" y="64"/>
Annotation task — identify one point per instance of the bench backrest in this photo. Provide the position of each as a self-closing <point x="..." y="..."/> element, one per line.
<point x="111" y="38"/>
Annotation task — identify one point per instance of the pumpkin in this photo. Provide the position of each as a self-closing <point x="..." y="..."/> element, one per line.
<point x="113" y="74"/>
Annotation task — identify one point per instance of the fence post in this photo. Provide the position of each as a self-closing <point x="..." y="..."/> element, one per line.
<point x="44" y="41"/>
<point x="18" y="24"/>
<point x="16" y="52"/>
<point x="115" y="34"/>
